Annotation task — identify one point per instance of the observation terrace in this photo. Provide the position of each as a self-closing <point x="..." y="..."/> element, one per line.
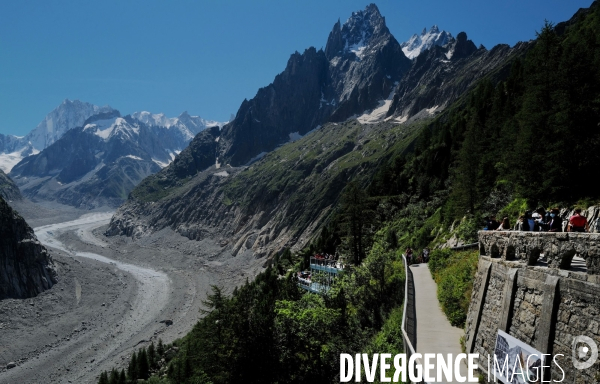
<point x="322" y="273"/>
<point x="556" y="250"/>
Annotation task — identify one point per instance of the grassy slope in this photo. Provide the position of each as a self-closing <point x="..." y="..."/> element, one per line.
<point x="299" y="181"/>
<point x="310" y="173"/>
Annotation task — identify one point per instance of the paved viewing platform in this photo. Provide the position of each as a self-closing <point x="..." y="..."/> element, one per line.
<point x="322" y="273"/>
<point x="434" y="332"/>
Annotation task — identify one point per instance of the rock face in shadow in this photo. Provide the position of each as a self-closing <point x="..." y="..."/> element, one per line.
<point x="442" y="74"/>
<point x="26" y="268"/>
<point x="365" y="62"/>
<point x="8" y="188"/>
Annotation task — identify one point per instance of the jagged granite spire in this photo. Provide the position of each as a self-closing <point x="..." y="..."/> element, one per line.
<point x="462" y="47"/>
<point x="335" y="43"/>
<point x="365" y="61"/>
<point x="358" y="68"/>
<point x="357" y="33"/>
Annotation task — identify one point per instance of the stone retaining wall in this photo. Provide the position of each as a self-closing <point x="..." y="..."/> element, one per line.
<point x="545" y="307"/>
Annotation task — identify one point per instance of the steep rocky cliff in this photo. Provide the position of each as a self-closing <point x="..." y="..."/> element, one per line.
<point x="359" y="67"/>
<point x="8" y="189"/>
<point x="440" y="75"/>
<point x="26" y="268"/>
<point x="365" y="61"/>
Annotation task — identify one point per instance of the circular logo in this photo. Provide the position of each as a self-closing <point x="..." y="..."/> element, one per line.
<point x="584" y="351"/>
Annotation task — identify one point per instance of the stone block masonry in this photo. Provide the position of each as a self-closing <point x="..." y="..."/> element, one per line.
<point x="545" y="305"/>
<point x="558" y="248"/>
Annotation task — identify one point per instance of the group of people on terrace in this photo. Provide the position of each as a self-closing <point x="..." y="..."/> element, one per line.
<point x="544" y="221"/>
<point x="304" y="277"/>
<point x="324" y="259"/>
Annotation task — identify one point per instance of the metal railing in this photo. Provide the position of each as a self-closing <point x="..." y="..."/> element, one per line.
<point x="325" y="263"/>
<point x="409" y="316"/>
<point x="466" y="246"/>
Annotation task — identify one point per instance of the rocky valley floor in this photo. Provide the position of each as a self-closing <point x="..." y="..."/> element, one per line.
<point x="112" y="297"/>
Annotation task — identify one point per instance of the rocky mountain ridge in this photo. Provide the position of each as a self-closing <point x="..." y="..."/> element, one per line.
<point x="417" y="44"/>
<point x="69" y="114"/>
<point x="359" y="66"/>
<point x="26" y="268"/>
<point x="441" y="74"/>
<point x="198" y="194"/>
<point x="100" y="162"/>
<point x="277" y="202"/>
<point x="185" y="125"/>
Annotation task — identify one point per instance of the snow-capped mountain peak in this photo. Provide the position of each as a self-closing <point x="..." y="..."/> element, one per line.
<point x="188" y="126"/>
<point x="419" y="43"/>
<point x="158" y="119"/>
<point x="68" y="115"/>
<point x="113" y="127"/>
<point x="357" y="34"/>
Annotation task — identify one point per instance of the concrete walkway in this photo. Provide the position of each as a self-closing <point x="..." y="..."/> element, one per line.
<point x="434" y="332"/>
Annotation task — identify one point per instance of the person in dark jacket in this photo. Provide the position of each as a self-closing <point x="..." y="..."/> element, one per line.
<point x="492" y="223"/>
<point x="540" y="218"/>
<point x="555" y="224"/>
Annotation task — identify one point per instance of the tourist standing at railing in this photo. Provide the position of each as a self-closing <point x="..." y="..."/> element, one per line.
<point x="578" y="223"/>
<point x="491" y="223"/>
<point x="540" y="218"/>
<point x="531" y="221"/>
<point x="504" y="225"/>
<point x="409" y="255"/>
<point x="555" y="224"/>
<point x="526" y="223"/>
<point x="520" y="225"/>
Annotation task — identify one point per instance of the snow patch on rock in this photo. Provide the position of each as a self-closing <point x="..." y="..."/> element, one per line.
<point x="377" y="114"/>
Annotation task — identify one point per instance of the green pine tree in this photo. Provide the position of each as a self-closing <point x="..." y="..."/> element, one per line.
<point x="152" y="355"/>
<point x="356" y="216"/>
<point x="132" y="369"/>
<point x="122" y="377"/>
<point x="143" y="367"/>
<point x="103" y="378"/>
<point x="114" y="377"/>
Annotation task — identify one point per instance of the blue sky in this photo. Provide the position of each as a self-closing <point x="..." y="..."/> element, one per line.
<point x="204" y="56"/>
